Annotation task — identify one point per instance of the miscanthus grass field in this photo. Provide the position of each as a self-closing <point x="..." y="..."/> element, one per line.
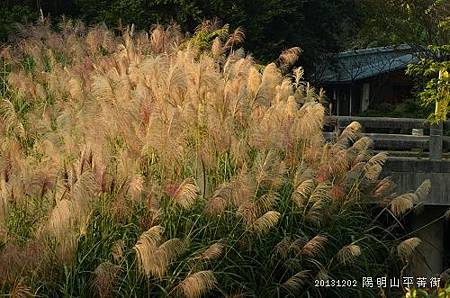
<point x="149" y="164"/>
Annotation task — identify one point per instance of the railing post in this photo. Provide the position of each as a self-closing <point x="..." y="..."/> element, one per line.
<point x="436" y="141"/>
<point x="337" y="128"/>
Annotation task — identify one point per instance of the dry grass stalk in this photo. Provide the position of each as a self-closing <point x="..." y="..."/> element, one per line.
<point x="399" y="205"/>
<point x="197" y="284"/>
<point x="303" y="192"/>
<point x="373" y="167"/>
<point x="20" y="290"/>
<point x="236" y="38"/>
<point x="406" y="248"/>
<point x="423" y="190"/>
<point x="154" y="259"/>
<point x="212" y="252"/>
<point x="297" y="281"/>
<point x="283" y="246"/>
<point x="266" y="222"/>
<point x="145" y="247"/>
<point x="105" y="279"/>
<point x="348" y="253"/>
<point x="186" y="194"/>
<point x="216" y="206"/>
<point x="385" y="186"/>
<point x="290" y="56"/>
<point x="117" y="250"/>
<point x="349" y="134"/>
<point x="314" y="246"/>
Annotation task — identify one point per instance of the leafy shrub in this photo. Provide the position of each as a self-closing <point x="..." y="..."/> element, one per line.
<point x="433" y="74"/>
<point x="10" y="16"/>
<point x="408" y="109"/>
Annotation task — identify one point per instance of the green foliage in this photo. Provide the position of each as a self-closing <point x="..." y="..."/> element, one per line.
<point x="429" y="293"/>
<point x="436" y="85"/>
<point x="410" y="108"/>
<point x="10" y="16"/>
<point x="271" y="26"/>
<point x="415" y="22"/>
<point x="318" y="27"/>
<point x="425" y="25"/>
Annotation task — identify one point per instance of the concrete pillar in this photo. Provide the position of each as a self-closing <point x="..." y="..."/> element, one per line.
<point x="351" y="101"/>
<point x="431" y="253"/>
<point x="436" y="142"/>
<point x="338" y="128"/>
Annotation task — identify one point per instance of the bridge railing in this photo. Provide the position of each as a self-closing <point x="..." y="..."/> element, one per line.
<point x="396" y="134"/>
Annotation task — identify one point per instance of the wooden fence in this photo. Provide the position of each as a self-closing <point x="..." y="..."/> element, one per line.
<point x="396" y="134"/>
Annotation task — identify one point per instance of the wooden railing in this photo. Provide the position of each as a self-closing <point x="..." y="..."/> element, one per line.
<point x="395" y="134"/>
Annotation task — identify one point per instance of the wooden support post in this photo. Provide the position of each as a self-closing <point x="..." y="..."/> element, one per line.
<point x="436" y="142"/>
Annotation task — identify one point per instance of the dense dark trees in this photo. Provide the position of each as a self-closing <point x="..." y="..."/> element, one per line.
<point x="270" y="25"/>
<point x="416" y="22"/>
<point x="425" y="25"/>
<point x="318" y="27"/>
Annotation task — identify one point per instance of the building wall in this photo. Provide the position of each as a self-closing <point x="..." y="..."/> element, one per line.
<point x="391" y="88"/>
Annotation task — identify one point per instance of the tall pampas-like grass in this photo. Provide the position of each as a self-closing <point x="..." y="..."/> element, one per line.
<point x="347" y="253"/>
<point x="153" y="257"/>
<point x="10" y="118"/>
<point x="374" y="166"/>
<point x="314" y="246"/>
<point x="196" y="284"/>
<point x="297" y="281"/>
<point x="185" y="194"/>
<point x="407" y="247"/>
<point x="105" y="279"/>
<point x="145" y="247"/>
<point x="266" y="222"/>
<point x="401" y="204"/>
<point x="129" y="156"/>
<point x="212" y="252"/>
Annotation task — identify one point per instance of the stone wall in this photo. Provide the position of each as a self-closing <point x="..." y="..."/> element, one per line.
<point x="409" y="172"/>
